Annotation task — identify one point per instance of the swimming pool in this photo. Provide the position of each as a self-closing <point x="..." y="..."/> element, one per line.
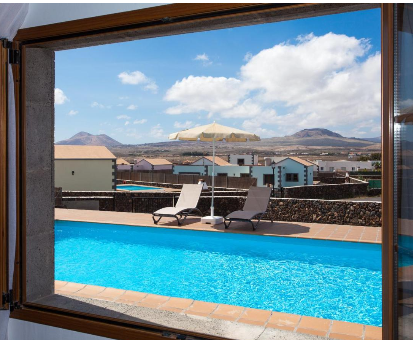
<point x="327" y="279"/>
<point x="135" y="187"/>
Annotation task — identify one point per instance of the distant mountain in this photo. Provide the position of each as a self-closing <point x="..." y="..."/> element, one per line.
<point x="373" y="139"/>
<point x="309" y="133"/>
<point x="84" y="138"/>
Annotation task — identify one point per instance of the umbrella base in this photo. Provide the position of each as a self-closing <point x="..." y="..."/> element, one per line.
<point x="212" y="220"/>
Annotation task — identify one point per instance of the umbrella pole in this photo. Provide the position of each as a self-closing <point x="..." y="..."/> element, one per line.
<point x="213" y="176"/>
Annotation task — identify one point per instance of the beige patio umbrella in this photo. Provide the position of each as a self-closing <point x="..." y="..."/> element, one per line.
<point x="212" y="133"/>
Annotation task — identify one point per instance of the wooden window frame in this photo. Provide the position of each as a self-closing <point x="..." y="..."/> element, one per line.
<point x="168" y="16"/>
<point x="4" y="275"/>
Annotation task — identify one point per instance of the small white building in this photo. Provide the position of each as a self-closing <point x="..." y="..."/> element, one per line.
<point x="243" y="159"/>
<point x="152" y="164"/>
<point x="288" y="171"/>
<point x="344" y="165"/>
<point x="122" y="164"/>
<point x="84" y="168"/>
<point x="207" y="160"/>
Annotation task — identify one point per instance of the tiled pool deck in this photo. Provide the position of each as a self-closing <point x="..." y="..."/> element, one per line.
<point x="295" y="323"/>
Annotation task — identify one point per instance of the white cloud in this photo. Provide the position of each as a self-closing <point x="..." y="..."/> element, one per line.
<point x="123" y="117"/>
<point x="138" y="78"/>
<point x="248" y="56"/>
<point x="210" y="94"/>
<point x="127" y="123"/>
<point x="204" y="58"/>
<point x="59" y="97"/>
<point x="157" y="132"/>
<point x="140" y="121"/>
<point x="131" y="107"/>
<point x="73" y="112"/>
<point x="124" y="97"/>
<point x="100" y="106"/>
<point x="186" y="125"/>
<point x="318" y="81"/>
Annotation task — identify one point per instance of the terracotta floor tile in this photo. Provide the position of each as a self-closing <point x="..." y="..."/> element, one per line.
<point x="252" y="322"/>
<point x="344" y="336"/>
<point x="283" y="327"/>
<point x="311" y="331"/>
<point x="111" y="294"/>
<point x="348" y="328"/>
<point x="89" y="291"/>
<point x="373" y="333"/>
<point x="202" y="307"/>
<point x="256" y="314"/>
<point x="228" y="310"/>
<point x="223" y="317"/>
<point x="178" y="303"/>
<point x="133" y="296"/>
<point x="310" y="322"/>
<point x="153" y="301"/>
<point x="59" y="284"/>
<point x="71" y="287"/>
<point x="284" y="319"/>
<point x="171" y="309"/>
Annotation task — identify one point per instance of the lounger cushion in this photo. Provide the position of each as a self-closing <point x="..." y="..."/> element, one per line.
<point x="243" y="214"/>
<point x="170" y="211"/>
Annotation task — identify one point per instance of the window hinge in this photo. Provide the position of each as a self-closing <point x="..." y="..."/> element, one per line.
<point x="7" y="298"/>
<point x="14" y="55"/>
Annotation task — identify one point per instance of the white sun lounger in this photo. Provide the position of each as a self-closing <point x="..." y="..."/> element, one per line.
<point x="186" y="205"/>
<point x="255" y="207"/>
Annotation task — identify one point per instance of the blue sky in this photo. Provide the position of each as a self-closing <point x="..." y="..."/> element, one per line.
<point x="272" y="79"/>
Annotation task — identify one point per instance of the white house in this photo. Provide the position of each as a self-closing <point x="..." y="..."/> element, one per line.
<point x="84" y="168"/>
<point x="153" y="164"/>
<point x="122" y="164"/>
<point x="243" y="159"/>
<point x="207" y="160"/>
<point x="289" y="171"/>
<point x="344" y="165"/>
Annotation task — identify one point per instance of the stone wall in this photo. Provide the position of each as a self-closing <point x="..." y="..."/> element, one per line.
<point x="280" y="209"/>
<point x="327" y="191"/>
<point x="331" y="212"/>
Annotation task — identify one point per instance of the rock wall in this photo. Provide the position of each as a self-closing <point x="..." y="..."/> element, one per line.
<point x="280" y="209"/>
<point x="327" y="191"/>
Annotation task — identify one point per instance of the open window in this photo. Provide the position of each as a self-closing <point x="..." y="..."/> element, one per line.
<point x="78" y="311"/>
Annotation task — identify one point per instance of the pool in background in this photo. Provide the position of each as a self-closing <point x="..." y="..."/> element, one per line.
<point x="326" y="279"/>
<point x="135" y="187"/>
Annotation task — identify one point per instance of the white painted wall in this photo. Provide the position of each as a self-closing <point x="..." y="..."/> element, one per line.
<point x="230" y="170"/>
<point x="124" y="166"/>
<point x="287" y="166"/>
<point x="344" y="165"/>
<point x="46" y="13"/>
<point x="89" y="174"/>
<point x="183" y="169"/>
<point x="248" y="159"/>
<point x="145" y="165"/>
<point x="202" y="161"/>
<point x="24" y="330"/>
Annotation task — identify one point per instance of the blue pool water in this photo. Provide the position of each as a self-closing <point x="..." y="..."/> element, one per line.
<point x="135" y="187"/>
<point x="327" y="279"/>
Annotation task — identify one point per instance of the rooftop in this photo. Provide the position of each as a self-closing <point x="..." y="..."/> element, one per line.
<point x="156" y="161"/>
<point x="82" y="152"/>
